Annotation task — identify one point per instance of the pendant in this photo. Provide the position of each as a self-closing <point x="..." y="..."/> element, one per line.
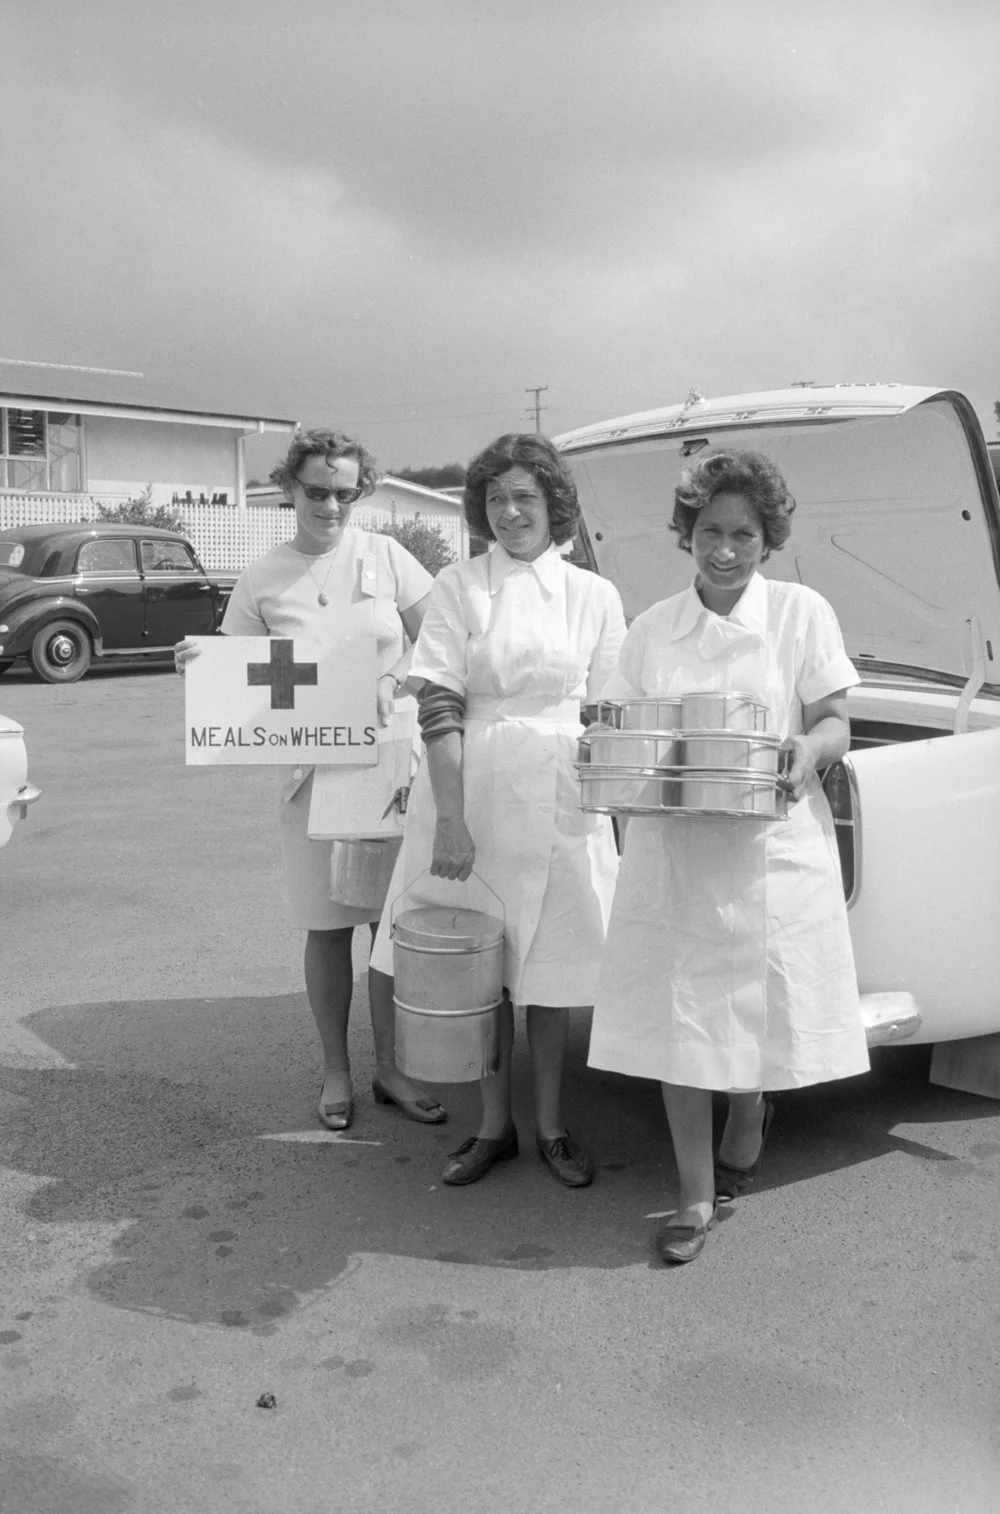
<point x="323" y="598"/>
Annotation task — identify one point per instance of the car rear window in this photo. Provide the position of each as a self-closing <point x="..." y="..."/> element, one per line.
<point x="11" y="554"/>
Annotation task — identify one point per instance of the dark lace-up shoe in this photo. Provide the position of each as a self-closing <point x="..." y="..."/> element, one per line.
<point x="567" y="1160"/>
<point x="476" y="1156"/>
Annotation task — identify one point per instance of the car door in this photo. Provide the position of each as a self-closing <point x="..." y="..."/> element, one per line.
<point x="107" y="581"/>
<point x="919" y="832"/>
<point x="179" y="599"/>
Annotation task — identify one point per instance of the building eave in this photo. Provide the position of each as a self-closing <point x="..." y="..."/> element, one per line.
<point x="244" y="423"/>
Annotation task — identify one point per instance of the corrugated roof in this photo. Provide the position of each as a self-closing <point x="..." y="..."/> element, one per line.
<point x="54" y="386"/>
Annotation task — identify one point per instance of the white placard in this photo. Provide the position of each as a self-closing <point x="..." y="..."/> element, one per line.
<point x="271" y="699"/>
<point x="361" y="802"/>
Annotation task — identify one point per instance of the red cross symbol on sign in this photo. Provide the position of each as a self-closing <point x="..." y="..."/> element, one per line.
<point x="282" y="673"/>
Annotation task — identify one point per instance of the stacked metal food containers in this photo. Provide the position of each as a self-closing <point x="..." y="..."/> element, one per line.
<point x="683" y="754"/>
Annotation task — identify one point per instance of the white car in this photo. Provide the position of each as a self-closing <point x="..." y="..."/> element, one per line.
<point x="16" y="793"/>
<point x="898" y="526"/>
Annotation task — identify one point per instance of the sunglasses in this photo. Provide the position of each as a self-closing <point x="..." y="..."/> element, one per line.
<point x="319" y="496"/>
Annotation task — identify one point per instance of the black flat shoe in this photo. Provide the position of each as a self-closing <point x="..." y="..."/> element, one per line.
<point x="424" y="1111"/>
<point x="682" y="1243"/>
<point x="566" y="1160"/>
<point x="731" y="1182"/>
<point x="476" y="1156"/>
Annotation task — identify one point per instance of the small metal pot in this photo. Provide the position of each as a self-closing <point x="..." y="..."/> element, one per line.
<point x="719" y="750"/>
<point x="361" y="870"/>
<point x="733" y="794"/>
<point x="729" y="711"/>
<point x="448" y="986"/>
<point x="653" y="713"/>
<point x="632" y="749"/>
<point x="618" y="791"/>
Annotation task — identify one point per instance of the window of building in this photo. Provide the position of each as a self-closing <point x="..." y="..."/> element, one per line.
<point x="40" y="451"/>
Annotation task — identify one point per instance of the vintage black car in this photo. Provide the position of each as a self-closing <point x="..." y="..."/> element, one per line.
<point x="73" y="593"/>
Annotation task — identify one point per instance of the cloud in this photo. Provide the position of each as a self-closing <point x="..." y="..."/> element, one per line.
<point x="405" y="215"/>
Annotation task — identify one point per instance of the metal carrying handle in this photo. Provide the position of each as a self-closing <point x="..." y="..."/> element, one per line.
<point x="426" y="871"/>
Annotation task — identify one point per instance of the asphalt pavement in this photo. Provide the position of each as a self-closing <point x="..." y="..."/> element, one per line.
<point x="179" y="1238"/>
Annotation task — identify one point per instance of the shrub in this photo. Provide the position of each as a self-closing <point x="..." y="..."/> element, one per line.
<point x="425" y="542"/>
<point x="140" y="511"/>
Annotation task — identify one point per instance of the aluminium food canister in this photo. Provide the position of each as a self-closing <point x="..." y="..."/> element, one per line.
<point x="734" y="794"/>
<point x="724" y="751"/>
<point x="622" y="791"/>
<point x="448" y="972"/>
<point x="648" y="713"/>
<point x="361" y="870"/>
<point x="722" y="711"/>
<point x="632" y="749"/>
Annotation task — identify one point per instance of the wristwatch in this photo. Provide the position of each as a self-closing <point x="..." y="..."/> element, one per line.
<point x="397" y="681"/>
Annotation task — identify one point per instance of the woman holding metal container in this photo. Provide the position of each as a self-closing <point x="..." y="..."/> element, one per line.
<point x="329" y="577"/>
<point x="728" y="965"/>
<point x="512" y="643"/>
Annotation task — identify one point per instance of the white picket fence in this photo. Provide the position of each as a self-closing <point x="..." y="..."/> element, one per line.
<point x="225" y="538"/>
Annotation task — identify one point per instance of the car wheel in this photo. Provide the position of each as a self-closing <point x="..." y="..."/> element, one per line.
<point x="61" y="652"/>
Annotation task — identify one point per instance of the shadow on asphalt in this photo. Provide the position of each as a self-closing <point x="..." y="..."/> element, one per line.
<point x="160" y="1130"/>
<point x="22" y="674"/>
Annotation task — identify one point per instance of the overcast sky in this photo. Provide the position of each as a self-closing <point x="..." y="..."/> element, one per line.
<point x="398" y="217"/>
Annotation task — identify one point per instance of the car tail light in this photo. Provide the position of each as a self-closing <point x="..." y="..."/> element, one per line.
<point x="840" y="785"/>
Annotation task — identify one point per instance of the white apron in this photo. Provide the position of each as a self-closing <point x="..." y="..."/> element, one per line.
<point x="526" y="658"/>
<point x="728" y="962"/>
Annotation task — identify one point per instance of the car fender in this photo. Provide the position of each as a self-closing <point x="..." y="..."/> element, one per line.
<point x="25" y="621"/>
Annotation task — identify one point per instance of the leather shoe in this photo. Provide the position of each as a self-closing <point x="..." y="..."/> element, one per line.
<point x="424" y="1111"/>
<point x="566" y="1160"/>
<point x="682" y="1243"/>
<point x="731" y="1182"/>
<point x="476" y="1156"/>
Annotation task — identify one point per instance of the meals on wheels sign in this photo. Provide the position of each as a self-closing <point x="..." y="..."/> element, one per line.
<point x="257" y="699"/>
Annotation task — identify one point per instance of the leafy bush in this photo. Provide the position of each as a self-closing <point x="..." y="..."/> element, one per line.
<point x="140" y="511"/>
<point x="450" y="475"/>
<point x="425" y="542"/>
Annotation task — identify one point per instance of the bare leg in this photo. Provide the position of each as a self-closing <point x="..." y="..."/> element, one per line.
<point x="740" y="1144"/>
<point x="383" y="1013"/>
<point x="495" y="1091"/>
<point x="548" y="1032"/>
<point x="689" y="1113"/>
<point x="329" y="975"/>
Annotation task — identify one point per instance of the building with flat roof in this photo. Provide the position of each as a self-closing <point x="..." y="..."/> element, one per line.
<point x="109" y="435"/>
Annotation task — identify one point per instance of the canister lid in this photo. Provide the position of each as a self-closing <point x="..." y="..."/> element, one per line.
<point x="442" y="927"/>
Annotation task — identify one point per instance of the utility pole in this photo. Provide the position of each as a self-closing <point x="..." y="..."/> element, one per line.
<point x="537" y="408"/>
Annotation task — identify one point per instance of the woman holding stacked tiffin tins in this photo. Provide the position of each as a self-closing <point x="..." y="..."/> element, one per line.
<point x="512" y="643"/>
<point x="728" y="965"/>
<point x="329" y="578"/>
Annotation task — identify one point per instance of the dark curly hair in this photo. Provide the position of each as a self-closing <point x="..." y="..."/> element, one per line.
<point x="748" y="473"/>
<point x="523" y="449"/>
<point x="329" y="444"/>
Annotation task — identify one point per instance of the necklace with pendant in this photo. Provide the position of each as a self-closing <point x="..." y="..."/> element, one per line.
<point x="322" y="597"/>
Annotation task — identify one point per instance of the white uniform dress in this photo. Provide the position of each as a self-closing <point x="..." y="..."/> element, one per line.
<point x="728" y="964"/>
<point x="368" y="580"/>
<point x="525" y="643"/>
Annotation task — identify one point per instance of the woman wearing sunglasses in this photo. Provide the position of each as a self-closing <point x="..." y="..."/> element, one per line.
<point x="331" y="575"/>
